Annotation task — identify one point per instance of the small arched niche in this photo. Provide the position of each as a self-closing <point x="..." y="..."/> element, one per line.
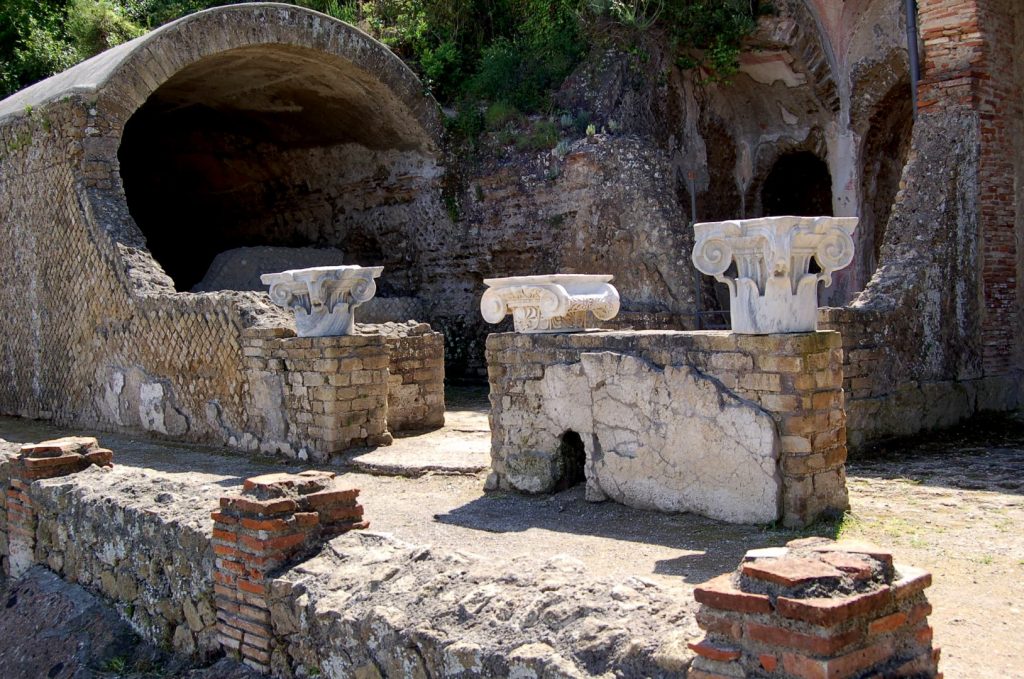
<point x="572" y="461"/>
<point x="799" y="184"/>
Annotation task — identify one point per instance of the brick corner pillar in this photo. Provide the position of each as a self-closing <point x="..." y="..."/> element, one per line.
<point x="816" y="609"/>
<point x="45" y="460"/>
<point x="798" y="379"/>
<point x="276" y="520"/>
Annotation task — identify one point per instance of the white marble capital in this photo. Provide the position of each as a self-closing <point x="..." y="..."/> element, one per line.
<point x="771" y="288"/>
<point x="323" y="298"/>
<point x="554" y="303"/>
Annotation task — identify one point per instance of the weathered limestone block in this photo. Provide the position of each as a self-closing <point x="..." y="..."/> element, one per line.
<point x="372" y="606"/>
<point x="324" y="298"/>
<point x="672" y="439"/>
<point x="773" y="290"/>
<point x="675" y="440"/>
<point x="555" y="303"/>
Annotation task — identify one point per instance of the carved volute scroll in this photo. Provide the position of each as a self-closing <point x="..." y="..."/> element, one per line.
<point x="554" y="303"/>
<point x="323" y="298"/>
<point x="773" y="290"/>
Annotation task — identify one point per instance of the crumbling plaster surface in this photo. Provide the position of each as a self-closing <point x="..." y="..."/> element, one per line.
<point x="668" y="439"/>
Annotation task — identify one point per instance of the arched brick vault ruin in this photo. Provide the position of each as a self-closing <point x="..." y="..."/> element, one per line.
<point x="330" y="141"/>
<point x="321" y="136"/>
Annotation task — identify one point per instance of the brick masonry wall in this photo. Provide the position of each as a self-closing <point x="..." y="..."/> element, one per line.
<point x="319" y="394"/>
<point x="275" y="521"/>
<point x="816" y="609"/>
<point x="969" y="55"/>
<point x="415" y="382"/>
<point x="797" y="379"/>
<point x="93" y="332"/>
<point x="934" y="338"/>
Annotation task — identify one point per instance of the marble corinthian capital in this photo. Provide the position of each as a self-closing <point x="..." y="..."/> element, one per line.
<point x="766" y="265"/>
<point x="554" y="303"/>
<point x="323" y="298"/>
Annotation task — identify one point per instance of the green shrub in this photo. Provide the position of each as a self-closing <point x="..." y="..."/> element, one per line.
<point x="543" y="135"/>
<point x="97" y="25"/>
<point x="500" y="114"/>
<point x="710" y="33"/>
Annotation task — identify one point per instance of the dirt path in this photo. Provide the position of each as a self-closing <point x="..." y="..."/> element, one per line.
<point x="953" y="505"/>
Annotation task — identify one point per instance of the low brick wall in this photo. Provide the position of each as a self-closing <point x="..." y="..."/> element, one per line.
<point x="415" y="382"/>
<point x="816" y="609"/>
<point x="796" y="379"/>
<point x="319" y="394"/>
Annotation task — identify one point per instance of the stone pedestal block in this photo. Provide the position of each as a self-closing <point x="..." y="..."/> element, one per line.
<point x="748" y="429"/>
<point x="316" y="395"/>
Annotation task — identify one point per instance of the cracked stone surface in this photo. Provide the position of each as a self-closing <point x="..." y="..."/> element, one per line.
<point x="671" y="440"/>
<point x="674" y="440"/>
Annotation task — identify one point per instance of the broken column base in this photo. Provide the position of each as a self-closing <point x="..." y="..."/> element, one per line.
<point x="816" y="609"/>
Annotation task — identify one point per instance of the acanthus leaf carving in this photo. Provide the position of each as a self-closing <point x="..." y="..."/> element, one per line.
<point x="773" y="290"/>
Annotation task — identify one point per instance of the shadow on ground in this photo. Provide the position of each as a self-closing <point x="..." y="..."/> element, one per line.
<point x="986" y="453"/>
<point x="711" y="546"/>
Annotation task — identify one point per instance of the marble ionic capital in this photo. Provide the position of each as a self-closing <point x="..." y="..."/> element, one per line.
<point x="555" y="303"/>
<point x="771" y="288"/>
<point x="324" y="298"/>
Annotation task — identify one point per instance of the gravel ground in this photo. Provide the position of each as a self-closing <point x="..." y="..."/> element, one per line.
<point x="952" y="504"/>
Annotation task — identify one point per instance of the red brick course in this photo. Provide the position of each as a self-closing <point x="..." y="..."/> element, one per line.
<point x="276" y="520"/>
<point x="45" y="460"/>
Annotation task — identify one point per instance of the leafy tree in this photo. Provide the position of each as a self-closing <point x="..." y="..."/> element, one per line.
<point x="41" y="37"/>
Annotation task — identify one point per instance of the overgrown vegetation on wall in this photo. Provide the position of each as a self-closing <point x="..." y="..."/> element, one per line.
<point x="466" y="51"/>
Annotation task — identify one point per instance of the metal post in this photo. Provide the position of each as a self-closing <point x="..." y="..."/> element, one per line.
<point x="699" y="311"/>
<point x="912" y="50"/>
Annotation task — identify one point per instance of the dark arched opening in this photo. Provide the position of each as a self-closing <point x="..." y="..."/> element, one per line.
<point x="886" y="147"/>
<point x="572" y="457"/>
<point x="276" y="146"/>
<point x="799" y="185"/>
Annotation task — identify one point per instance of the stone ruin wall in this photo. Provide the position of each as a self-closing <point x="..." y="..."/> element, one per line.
<point x="934" y="336"/>
<point x="94" y="333"/>
<point x="283" y="576"/>
<point x="92" y="347"/>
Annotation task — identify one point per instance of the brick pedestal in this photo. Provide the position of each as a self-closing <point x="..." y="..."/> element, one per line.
<point x="45" y="460"/>
<point x="276" y="520"/>
<point x="816" y="609"/>
<point x="319" y="394"/>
